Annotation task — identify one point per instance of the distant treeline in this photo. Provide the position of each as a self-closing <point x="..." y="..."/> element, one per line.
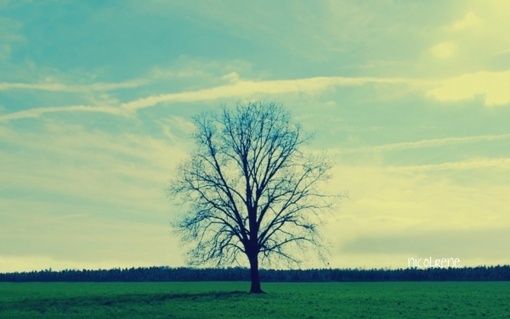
<point x="492" y="273"/>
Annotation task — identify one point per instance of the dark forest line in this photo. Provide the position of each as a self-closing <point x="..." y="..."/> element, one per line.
<point x="155" y="274"/>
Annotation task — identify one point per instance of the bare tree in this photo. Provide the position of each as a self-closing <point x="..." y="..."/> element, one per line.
<point x="248" y="189"/>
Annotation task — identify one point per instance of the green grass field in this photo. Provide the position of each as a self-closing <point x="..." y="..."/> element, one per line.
<point x="229" y="300"/>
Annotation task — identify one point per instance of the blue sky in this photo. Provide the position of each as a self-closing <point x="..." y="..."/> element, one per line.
<point x="411" y="99"/>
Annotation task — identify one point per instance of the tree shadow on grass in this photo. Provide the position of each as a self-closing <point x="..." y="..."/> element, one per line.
<point x="43" y="304"/>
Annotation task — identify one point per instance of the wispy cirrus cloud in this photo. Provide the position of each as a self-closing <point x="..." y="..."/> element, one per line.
<point x="66" y="88"/>
<point x="236" y="89"/>
<point x="37" y="112"/>
<point x="478" y="163"/>
<point x="439" y="142"/>
<point x="62" y="87"/>
<point x="73" y="162"/>
<point x="247" y="88"/>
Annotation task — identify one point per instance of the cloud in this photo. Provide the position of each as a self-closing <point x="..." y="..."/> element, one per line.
<point x="101" y="167"/>
<point x="37" y="112"/>
<point x="426" y="143"/>
<point x="470" y="20"/>
<point x="443" y="50"/>
<point x="492" y="86"/>
<point x="246" y="88"/>
<point x="472" y="164"/>
<point x="177" y="124"/>
<point x="61" y="87"/>
<point x="236" y="89"/>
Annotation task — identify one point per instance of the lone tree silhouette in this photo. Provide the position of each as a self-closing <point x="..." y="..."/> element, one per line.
<point x="248" y="189"/>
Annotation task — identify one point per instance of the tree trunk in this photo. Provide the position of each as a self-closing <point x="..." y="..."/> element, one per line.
<point x="254" y="274"/>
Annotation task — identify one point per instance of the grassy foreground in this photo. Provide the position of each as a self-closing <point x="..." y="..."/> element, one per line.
<point x="229" y="300"/>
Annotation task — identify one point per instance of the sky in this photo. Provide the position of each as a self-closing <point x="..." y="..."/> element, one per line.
<point x="410" y="99"/>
